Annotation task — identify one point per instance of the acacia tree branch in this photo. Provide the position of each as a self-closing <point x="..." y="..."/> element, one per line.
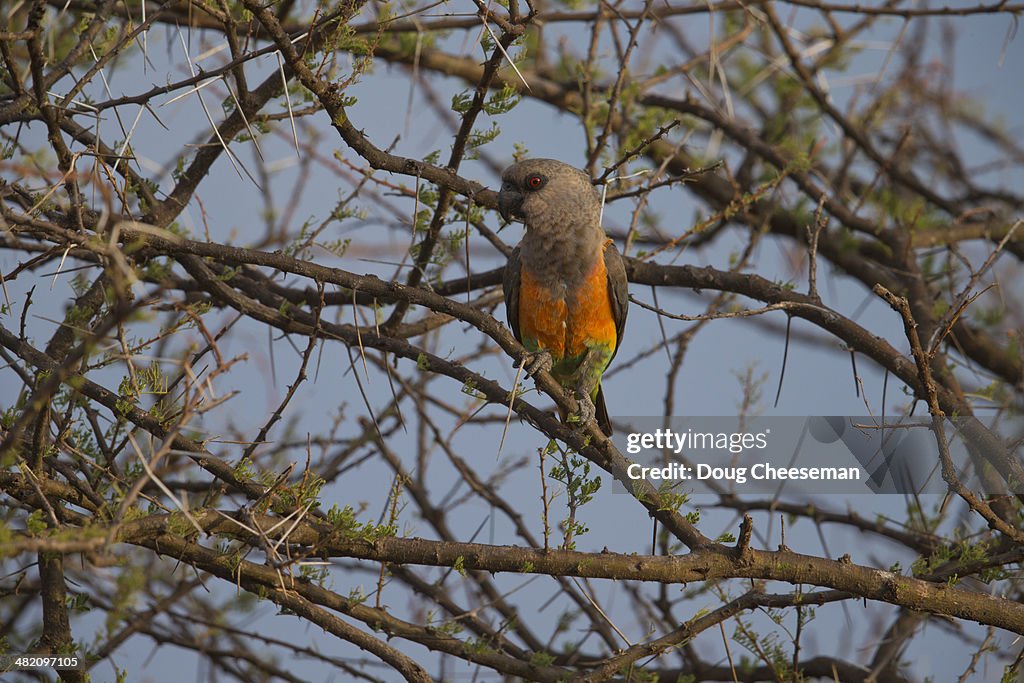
<point x="711" y="562"/>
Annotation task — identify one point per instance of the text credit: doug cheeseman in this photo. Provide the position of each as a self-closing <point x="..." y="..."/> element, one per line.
<point x="768" y="455"/>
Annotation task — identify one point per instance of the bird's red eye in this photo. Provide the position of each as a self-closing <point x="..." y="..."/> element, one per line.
<point x="535" y="182"/>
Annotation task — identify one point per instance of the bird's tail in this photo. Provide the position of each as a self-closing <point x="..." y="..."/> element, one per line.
<point x="603" y="421"/>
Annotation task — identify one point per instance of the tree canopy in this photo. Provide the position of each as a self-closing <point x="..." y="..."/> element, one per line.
<point x="255" y="372"/>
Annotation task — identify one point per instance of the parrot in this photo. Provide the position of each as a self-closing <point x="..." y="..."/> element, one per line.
<point x="565" y="287"/>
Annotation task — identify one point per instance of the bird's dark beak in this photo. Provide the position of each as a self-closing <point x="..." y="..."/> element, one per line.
<point x="508" y="204"/>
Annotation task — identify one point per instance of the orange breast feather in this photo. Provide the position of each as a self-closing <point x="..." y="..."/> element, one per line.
<point x="567" y="327"/>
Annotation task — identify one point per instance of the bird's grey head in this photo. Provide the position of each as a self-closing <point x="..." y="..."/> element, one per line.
<point x="548" y="192"/>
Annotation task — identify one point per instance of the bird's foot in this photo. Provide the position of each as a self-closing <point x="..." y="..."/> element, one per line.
<point x="587" y="411"/>
<point x="537" y="362"/>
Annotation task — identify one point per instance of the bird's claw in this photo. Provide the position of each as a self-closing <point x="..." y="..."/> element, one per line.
<point x="587" y="411"/>
<point x="537" y="362"/>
